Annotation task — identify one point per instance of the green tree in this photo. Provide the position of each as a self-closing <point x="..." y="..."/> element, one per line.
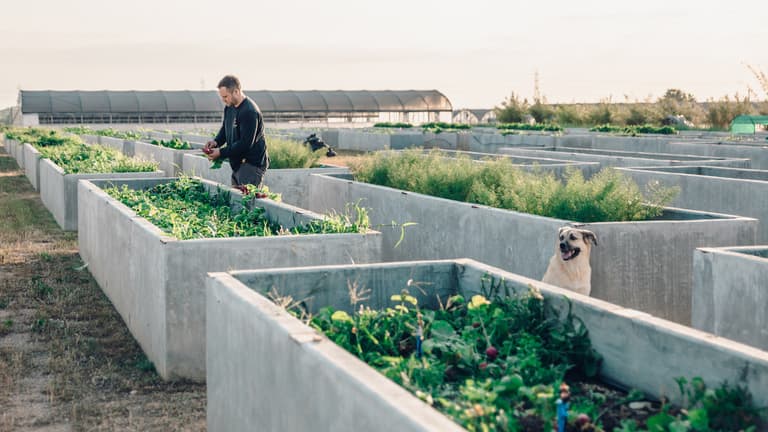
<point x="512" y="110"/>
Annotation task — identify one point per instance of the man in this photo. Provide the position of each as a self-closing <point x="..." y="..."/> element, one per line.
<point x="243" y="132"/>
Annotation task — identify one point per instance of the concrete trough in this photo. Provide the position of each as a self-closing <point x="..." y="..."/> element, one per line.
<point x="118" y="144"/>
<point x="263" y="362"/>
<point x="291" y="183"/>
<point x="533" y="164"/>
<point x="730" y="293"/>
<point x="170" y="161"/>
<point x="754" y="151"/>
<point x="645" y="265"/>
<point x="32" y="164"/>
<point x="736" y="191"/>
<point x="615" y="158"/>
<point x="58" y="190"/>
<point x="156" y="282"/>
<point x="16" y="149"/>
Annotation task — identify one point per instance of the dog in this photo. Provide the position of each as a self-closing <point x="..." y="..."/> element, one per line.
<point x="569" y="266"/>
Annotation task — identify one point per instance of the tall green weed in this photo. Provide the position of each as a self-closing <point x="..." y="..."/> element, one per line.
<point x="607" y="196"/>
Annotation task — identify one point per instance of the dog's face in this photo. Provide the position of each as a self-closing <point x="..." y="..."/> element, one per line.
<point x="573" y="242"/>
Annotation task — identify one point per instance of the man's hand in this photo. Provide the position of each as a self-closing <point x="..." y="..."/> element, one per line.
<point x="214" y="154"/>
<point x="211" y="144"/>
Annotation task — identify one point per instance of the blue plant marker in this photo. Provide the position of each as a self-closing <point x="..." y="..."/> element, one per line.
<point x="562" y="407"/>
<point x="419" y="336"/>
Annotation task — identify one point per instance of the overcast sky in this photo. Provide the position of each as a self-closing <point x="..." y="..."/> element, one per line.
<point x="476" y="53"/>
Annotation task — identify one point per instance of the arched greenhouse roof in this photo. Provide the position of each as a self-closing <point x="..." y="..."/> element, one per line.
<point x="133" y="101"/>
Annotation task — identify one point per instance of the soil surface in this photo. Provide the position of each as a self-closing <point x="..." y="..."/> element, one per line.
<point x="67" y="360"/>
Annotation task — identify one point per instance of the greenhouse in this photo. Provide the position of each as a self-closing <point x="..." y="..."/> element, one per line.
<point x="188" y="106"/>
<point x="748" y="124"/>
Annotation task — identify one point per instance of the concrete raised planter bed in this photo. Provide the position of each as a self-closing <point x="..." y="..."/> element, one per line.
<point x="15" y="149"/>
<point x="156" y="282"/>
<point x="170" y="160"/>
<point x="263" y="362"/>
<point x="292" y="183"/>
<point x="727" y="190"/>
<point x="32" y="165"/>
<point x="755" y="152"/>
<point x="615" y="158"/>
<point x="730" y="293"/>
<point x="58" y="190"/>
<point x="118" y="144"/>
<point x="644" y="265"/>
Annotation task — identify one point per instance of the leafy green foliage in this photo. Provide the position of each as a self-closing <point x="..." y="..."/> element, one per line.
<point x="634" y="130"/>
<point x="399" y="125"/>
<point x="175" y="143"/>
<point x="485" y="363"/>
<point x="109" y="132"/>
<point x="81" y="158"/>
<point x="607" y="196"/>
<point x="530" y="127"/>
<point x="186" y="210"/>
<point x="438" y="127"/>
<point x="286" y="153"/>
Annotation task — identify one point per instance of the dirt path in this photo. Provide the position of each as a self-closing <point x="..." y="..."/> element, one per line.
<point x="67" y="361"/>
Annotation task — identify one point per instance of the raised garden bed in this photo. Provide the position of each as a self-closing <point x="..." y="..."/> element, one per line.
<point x="160" y="295"/>
<point x="730" y="293"/>
<point x="263" y="361"/>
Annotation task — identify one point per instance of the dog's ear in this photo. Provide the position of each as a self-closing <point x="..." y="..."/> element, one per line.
<point x="589" y="235"/>
<point x="560" y="231"/>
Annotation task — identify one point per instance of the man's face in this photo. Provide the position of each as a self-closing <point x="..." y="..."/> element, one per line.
<point x="230" y="98"/>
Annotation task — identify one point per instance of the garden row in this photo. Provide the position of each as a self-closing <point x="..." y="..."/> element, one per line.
<point x="164" y="303"/>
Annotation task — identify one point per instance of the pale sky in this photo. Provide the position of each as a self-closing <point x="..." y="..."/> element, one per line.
<point x="476" y="53"/>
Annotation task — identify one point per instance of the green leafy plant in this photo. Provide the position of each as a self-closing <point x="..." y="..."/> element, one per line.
<point x="607" y="196"/>
<point x="175" y="143"/>
<point x="487" y="361"/>
<point x="393" y="125"/>
<point x="634" y="130"/>
<point x="185" y="209"/>
<point x="529" y="127"/>
<point x="286" y="153"/>
<point x="82" y="158"/>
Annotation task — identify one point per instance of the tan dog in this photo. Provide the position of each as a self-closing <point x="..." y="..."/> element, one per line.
<point x="569" y="266"/>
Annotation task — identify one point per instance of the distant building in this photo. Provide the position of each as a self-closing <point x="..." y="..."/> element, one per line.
<point x="40" y="107"/>
<point x="474" y="116"/>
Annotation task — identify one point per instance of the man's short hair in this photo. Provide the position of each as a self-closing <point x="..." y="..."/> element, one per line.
<point x="230" y="82"/>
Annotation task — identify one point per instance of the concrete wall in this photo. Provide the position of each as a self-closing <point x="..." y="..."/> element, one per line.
<point x="16" y="149"/>
<point x="262" y="362"/>
<point x="32" y="165"/>
<point x="118" y="144"/>
<point x="613" y="158"/>
<point x="170" y="161"/>
<point x="674" y="144"/>
<point x="58" y="190"/>
<point x="135" y="263"/>
<point x="735" y="191"/>
<point x="643" y="265"/>
<point x="730" y="293"/>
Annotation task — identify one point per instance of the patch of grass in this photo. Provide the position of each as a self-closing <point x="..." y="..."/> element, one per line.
<point x="144" y="364"/>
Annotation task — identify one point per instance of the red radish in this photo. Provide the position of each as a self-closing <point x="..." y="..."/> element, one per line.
<point x="491" y="353"/>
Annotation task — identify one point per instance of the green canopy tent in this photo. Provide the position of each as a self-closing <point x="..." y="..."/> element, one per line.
<point x="749" y="124"/>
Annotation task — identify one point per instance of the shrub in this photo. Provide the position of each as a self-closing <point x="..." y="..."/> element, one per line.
<point x="286" y="153"/>
<point x="607" y="196"/>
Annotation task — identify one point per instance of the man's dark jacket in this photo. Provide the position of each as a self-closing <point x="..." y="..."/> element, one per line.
<point x="243" y="131"/>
